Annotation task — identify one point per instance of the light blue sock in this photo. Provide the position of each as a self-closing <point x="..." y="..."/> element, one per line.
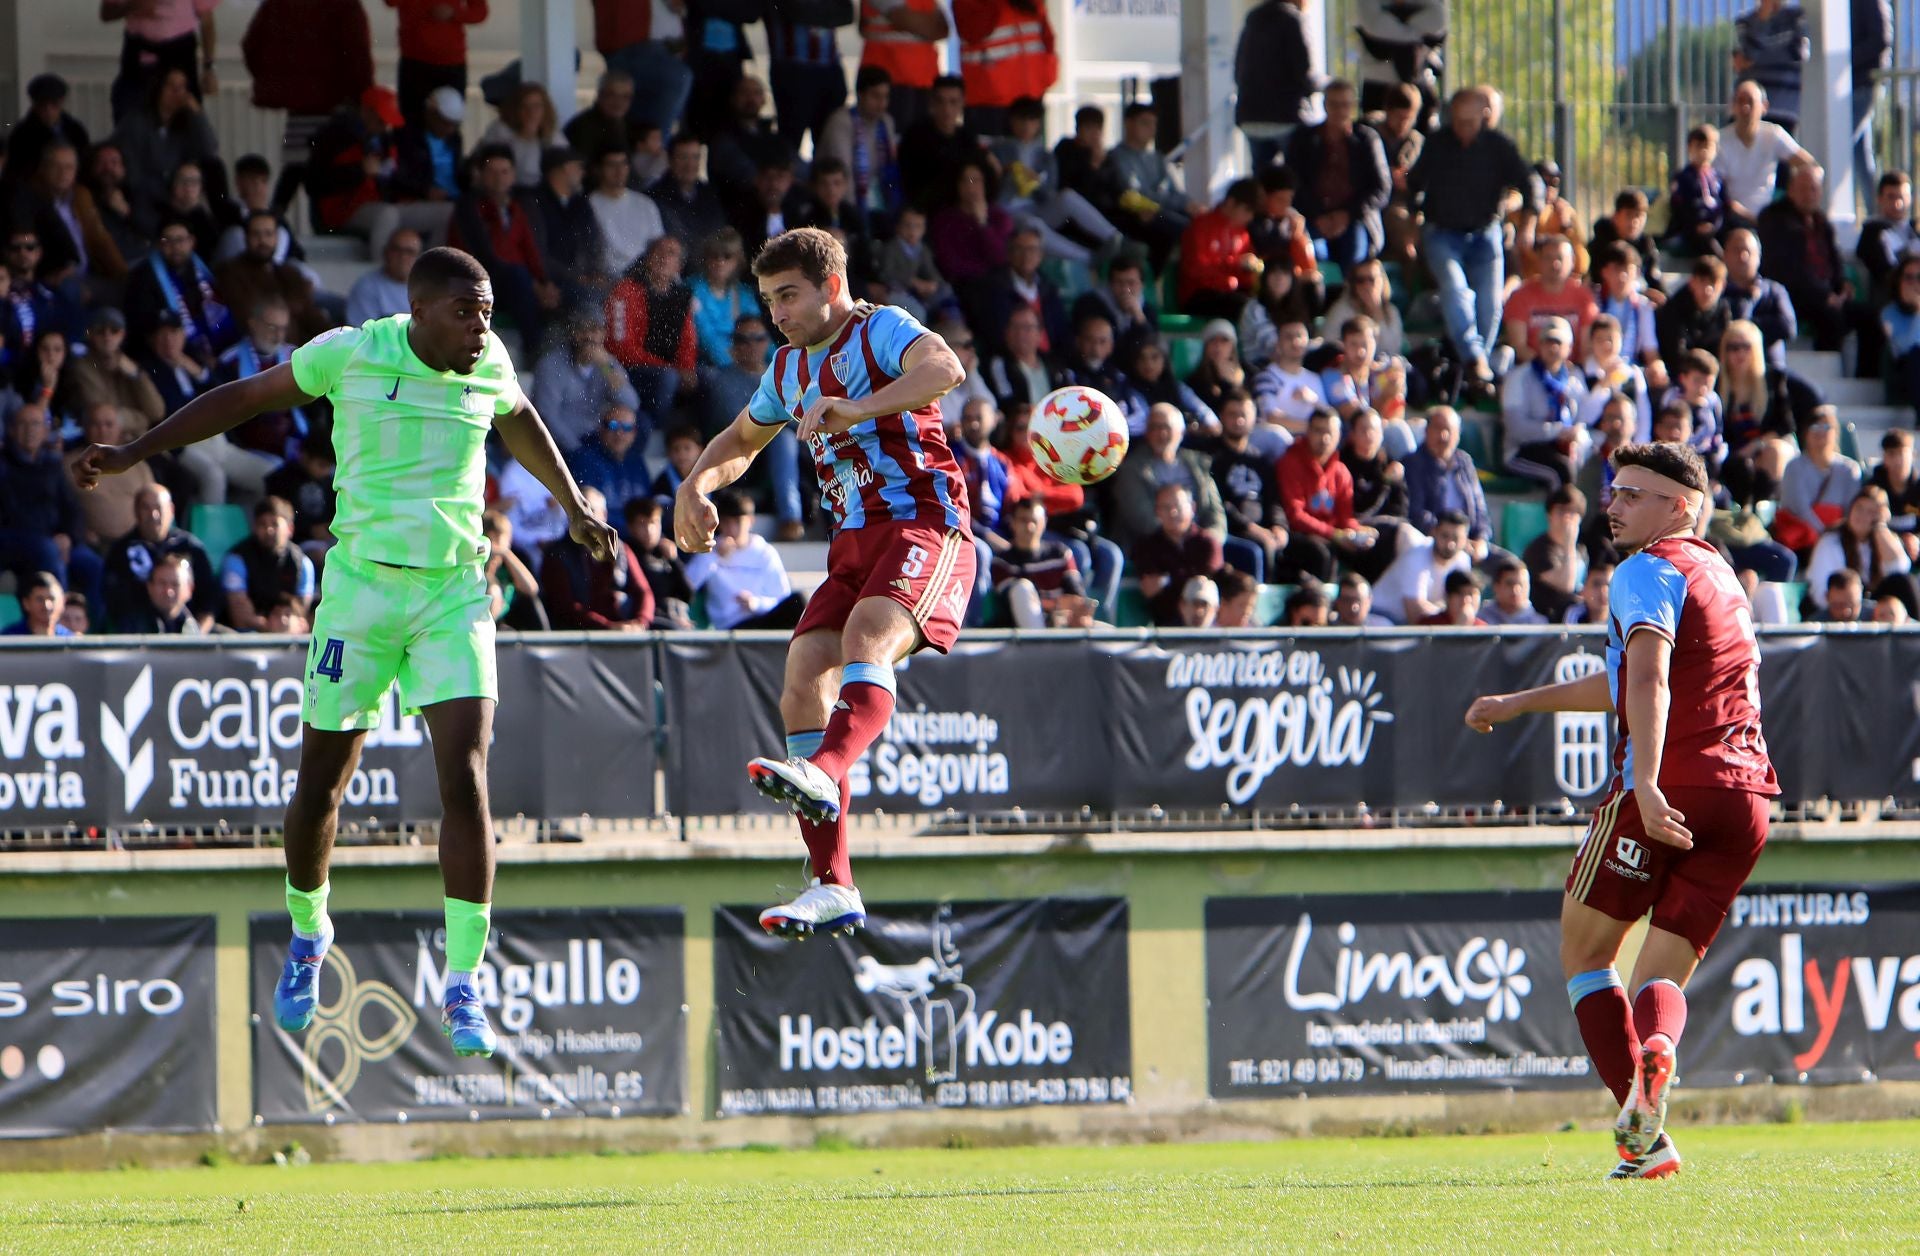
<point x="880" y="674"/>
<point x="1584" y="984"/>
<point x="801" y="745"/>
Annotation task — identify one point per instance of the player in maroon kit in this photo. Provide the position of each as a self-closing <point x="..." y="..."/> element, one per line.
<point x="1685" y="814"/>
<point x="863" y="385"/>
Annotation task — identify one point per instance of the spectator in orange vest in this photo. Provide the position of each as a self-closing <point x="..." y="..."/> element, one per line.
<point x="903" y="37"/>
<point x="1006" y="52"/>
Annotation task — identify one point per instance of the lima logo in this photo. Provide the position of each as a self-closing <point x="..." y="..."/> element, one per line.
<point x="117" y="730"/>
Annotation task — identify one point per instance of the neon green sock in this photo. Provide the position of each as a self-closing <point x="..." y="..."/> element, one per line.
<point x="467" y="926"/>
<point x="309" y="910"/>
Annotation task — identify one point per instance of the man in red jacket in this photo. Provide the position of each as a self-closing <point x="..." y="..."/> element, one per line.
<point x="1317" y="492"/>
<point x="1218" y="269"/>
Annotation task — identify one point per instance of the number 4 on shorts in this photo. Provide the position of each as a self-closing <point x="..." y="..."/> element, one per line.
<point x="332" y="654"/>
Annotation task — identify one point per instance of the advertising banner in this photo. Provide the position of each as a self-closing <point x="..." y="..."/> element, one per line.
<point x="1388" y="993"/>
<point x="1815" y="983"/>
<point x="589" y="1006"/>
<point x="107" y="1024"/>
<point x="953" y="1005"/>
<point x="970" y="729"/>
<point x="202" y="736"/>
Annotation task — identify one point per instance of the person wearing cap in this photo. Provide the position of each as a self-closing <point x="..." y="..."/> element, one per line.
<point x="1219" y="370"/>
<point x="1555" y="293"/>
<point x="429" y="158"/>
<point x="566" y="231"/>
<point x="433" y="49"/>
<point x="1199" y="602"/>
<point x="375" y="175"/>
<point x="46" y="119"/>
<point x="308" y="57"/>
<point x="105" y="375"/>
<point x="1540" y="405"/>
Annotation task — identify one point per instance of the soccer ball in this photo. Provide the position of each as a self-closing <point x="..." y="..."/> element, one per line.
<point x="1078" y="435"/>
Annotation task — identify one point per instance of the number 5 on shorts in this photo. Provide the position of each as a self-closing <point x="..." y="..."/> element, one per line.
<point x="332" y="655"/>
<point x="914" y="563"/>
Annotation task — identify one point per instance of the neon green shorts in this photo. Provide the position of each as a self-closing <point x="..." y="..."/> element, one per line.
<point x="428" y="628"/>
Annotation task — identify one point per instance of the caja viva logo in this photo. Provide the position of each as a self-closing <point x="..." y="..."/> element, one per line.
<point x="117" y="730"/>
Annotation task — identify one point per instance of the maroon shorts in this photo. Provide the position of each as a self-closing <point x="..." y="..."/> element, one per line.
<point x="928" y="569"/>
<point x="1624" y="873"/>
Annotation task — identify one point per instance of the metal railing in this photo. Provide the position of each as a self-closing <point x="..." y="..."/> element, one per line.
<point x="1607" y="90"/>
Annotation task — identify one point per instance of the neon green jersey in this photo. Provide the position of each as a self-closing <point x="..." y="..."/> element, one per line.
<point x="409" y="442"/>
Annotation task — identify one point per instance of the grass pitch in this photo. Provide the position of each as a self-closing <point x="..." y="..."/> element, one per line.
<point x="1763" y="1188"/>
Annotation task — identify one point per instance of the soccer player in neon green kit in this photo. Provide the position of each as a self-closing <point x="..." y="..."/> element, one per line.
<point x="404" y="596"/>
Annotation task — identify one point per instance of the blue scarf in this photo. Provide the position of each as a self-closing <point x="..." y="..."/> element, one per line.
<point x="210" y="307"/>
<point x="1556" y="388"/>
<point x="247" y="362"/>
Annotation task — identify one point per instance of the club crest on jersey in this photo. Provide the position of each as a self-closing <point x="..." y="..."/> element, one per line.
<point x="839" y="363"/>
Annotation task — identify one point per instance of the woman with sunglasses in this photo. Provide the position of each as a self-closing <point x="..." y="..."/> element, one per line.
<point x="1762" y="406"/>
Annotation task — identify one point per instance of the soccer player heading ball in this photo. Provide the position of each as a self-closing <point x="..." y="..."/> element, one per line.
<point x="861" y="383"/>
<point x="404" y="597"/>
<point x="1685" y="814"/>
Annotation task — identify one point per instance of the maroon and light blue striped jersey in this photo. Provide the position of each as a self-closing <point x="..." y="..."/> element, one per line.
<point x="893" y="468"/>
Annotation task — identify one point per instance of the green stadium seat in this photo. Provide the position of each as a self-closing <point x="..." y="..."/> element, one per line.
<point x="1331" y="274"/>
<point x="1796" y="593"/>
<point x="1183" y="353"/>
<point x="1474" y="436"/>
<point x="1180" y="324"/>
<point x="1130" y="608"/>
<point x="9" y="611"/>
<point x="1271" y="603"/>
<point x="1520" y="522"/>
<point x="219" y="528"/>
<point x="697" y="610"/>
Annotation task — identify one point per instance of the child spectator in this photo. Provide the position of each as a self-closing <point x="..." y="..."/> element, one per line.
<point x="1696" y="199"/>
<point x="1032" y="575"/>
<point x="660" y="563"/>
<point x="742" y="579"/>
<point x="721" y="299"/>
<point x="1462" y="609"/>
<point x="906" y="269"/>
<point x="1695" y="317"/>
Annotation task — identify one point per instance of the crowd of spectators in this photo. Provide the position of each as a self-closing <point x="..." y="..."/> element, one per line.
<point x="1317" y="368"/>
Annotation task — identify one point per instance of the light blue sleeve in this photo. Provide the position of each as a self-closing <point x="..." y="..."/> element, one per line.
<point x="891" y="331"/>
<point x="233" y="573"/>
<point x="765" y="407"/>
<point x="1647" y="590"/>
<point x="303" y="583"/>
